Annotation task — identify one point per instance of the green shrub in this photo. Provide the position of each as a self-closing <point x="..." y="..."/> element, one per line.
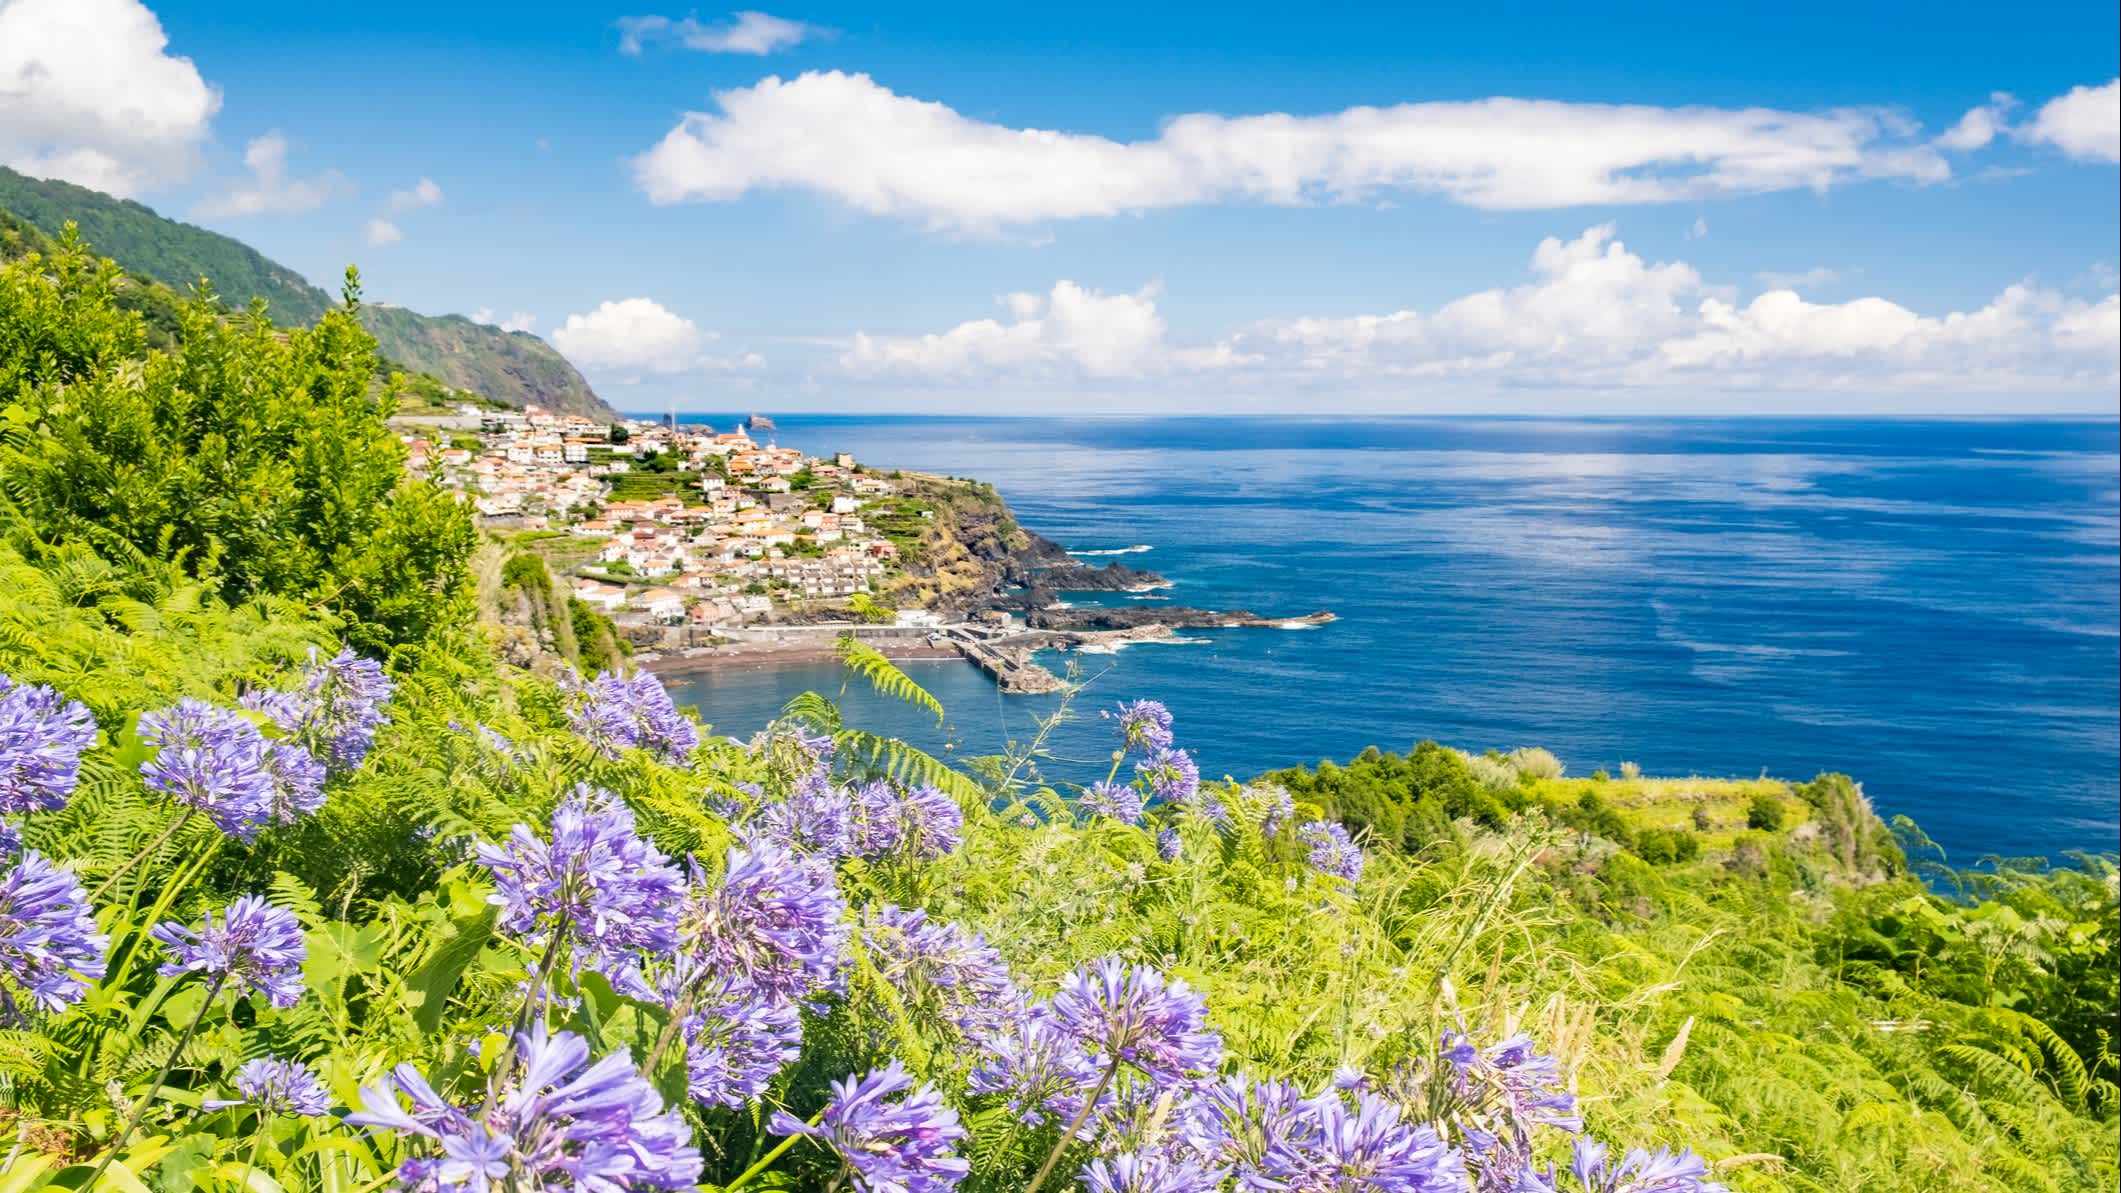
<point x="1765" y="813"/>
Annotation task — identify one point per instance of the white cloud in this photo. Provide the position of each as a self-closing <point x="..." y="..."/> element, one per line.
<point x="1700" y="230"/>
<point x="1593" y="315"/>
<point x="89" y="94"/>
<point x="516" y="321"/>
<point x="1979" y="126"/>
<point x="845" y="136"/>
<point x="423" y="193"/>
<point x="1815" y="278"/>
<point x="270" y="190"/>
<point x="1070" y="332"/>
<point x="635" y="336"/>
<point x="745" y="33"/>
<point x="2085" y="124"/>
<point x="381" y="231"/>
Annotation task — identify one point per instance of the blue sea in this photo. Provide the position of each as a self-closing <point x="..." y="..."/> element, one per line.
<point x="1933" y="608"/>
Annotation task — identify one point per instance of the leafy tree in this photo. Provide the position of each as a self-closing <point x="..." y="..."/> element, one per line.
<point x="257" y="460"/>
<point x="1765" y="813"/>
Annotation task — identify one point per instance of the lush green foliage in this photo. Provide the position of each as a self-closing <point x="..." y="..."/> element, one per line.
<point x="255" y="459"/>
<point x="511" y="367"/>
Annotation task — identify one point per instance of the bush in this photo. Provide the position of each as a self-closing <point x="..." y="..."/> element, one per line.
<point x="1666" y="846"/>
<point x="1765" y="813"/>
<point x="1536" y="762"/>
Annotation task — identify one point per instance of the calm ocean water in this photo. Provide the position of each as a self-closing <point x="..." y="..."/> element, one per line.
<point x="1934" y="608"/>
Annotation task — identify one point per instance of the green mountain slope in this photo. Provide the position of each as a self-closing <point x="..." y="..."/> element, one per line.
<point x="512" y="368"/>
<point x="164" y="249"/>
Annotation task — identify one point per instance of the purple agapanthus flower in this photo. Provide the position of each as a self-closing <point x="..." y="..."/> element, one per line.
<point x="1362" y="1144"/>
<point x="1148" y="1172"/>
<point x="334" y="712"/>
<point x="902" y="1146"/>
<point x="958" y="970"/>
<point x="1169" y="845"/>
<point x="1278" y="809"/>
<point x="557" y="1126"/>
<point x="254" y="946"/>
<point x="1246" y="1121"/>
<point x="1171" y="775"/>
<point x="617" y="895"/>
<point x="1591" y="1170"/>
<point x="1144" y="726"/>
<point x="1118" y="801"/>
<point x="10" y="838"/>
<point x="212" y="760"/>
<point x="816" y="816"/>
<point x="737" y="1039"/>
<point x="1332" y="851"/>
<point x="275" y="1086"/>
<point x="775" y="919"/>
<point x="42" y="735"/>
<point x="49" y="946"/>
<point x="1134" y="1015"/>
<point x="1035" y="1065"/>
<point x="922" y="822"/>
<point x="297" y="782"/>
<point x="616" y="713"/>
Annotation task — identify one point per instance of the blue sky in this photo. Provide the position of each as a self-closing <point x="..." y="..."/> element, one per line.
<point x="1261" y="209"/>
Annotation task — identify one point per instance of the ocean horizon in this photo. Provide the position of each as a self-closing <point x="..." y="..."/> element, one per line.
<point x="1932" y="606"/>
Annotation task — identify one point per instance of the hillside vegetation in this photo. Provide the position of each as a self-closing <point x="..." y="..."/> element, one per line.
<point x="510" y="368"/>
<point x="276" y="914"/>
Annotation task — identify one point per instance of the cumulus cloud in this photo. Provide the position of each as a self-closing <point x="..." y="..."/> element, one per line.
<point x="90" y="94"/>
<point x="1070" y="332"/>
<point x="2085" y="124"/>
<point x="423" y="193"/>
<point x="1592" y="315"/>
<point x="1979" y="126"/>
<point x="744" y="33"/>
<point x="269" y="189"/>
<point x="847" y="137"/>
<point x="380" y="231"/>
<point x="516" y="321"/>
<point x="631" y="337"/>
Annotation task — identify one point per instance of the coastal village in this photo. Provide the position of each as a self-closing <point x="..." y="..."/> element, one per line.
<point x="680" y="524"/>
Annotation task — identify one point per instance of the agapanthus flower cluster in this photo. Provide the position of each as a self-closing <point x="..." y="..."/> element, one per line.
<point x="616" y="712"/>
<point x="1278" y="809"/>
<point x="42" y="736"/>
<point x="890" y="1144"/>
<point x="1144" y="726"/>
<point x="1148" y="1172"/>
<point x="214" y="760"/>
<point x="1332" y="851"/>
<point x="1362" y="1144"/>
<point x="963" y="975"/>
<point x="1170" y="774"/>
<point x="49" y="946"/>
<point x="334" y="711"/>
<point x="775" y="918"/>
<point x="10" y="838"/>
<point x="557" y="1126"/>
<point x="920" y="822"/>
<point x="1592" y="1170"/>
<point x="616" y="896"/>
<point x="1037" y="1066"/>
<point x="816" y="816"/>
<point x="252" y="947"/>
<point x="737" y="1039"/>
<point x="1133" y="1015"/>
<point x="1118" y="801"/>
<point x="1169" y="845"/>
<point x="274" y="1086"/>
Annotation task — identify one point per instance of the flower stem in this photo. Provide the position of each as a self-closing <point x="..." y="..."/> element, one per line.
<point x="135" y="860"/>
<point x="669" y="1036"/>
<point x="1068" y="1136"/>
<point x="766" y="1161"/>
<point x="140" y="1108"/>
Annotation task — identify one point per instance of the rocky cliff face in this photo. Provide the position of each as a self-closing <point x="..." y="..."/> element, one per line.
<point x="975" y="554"/>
